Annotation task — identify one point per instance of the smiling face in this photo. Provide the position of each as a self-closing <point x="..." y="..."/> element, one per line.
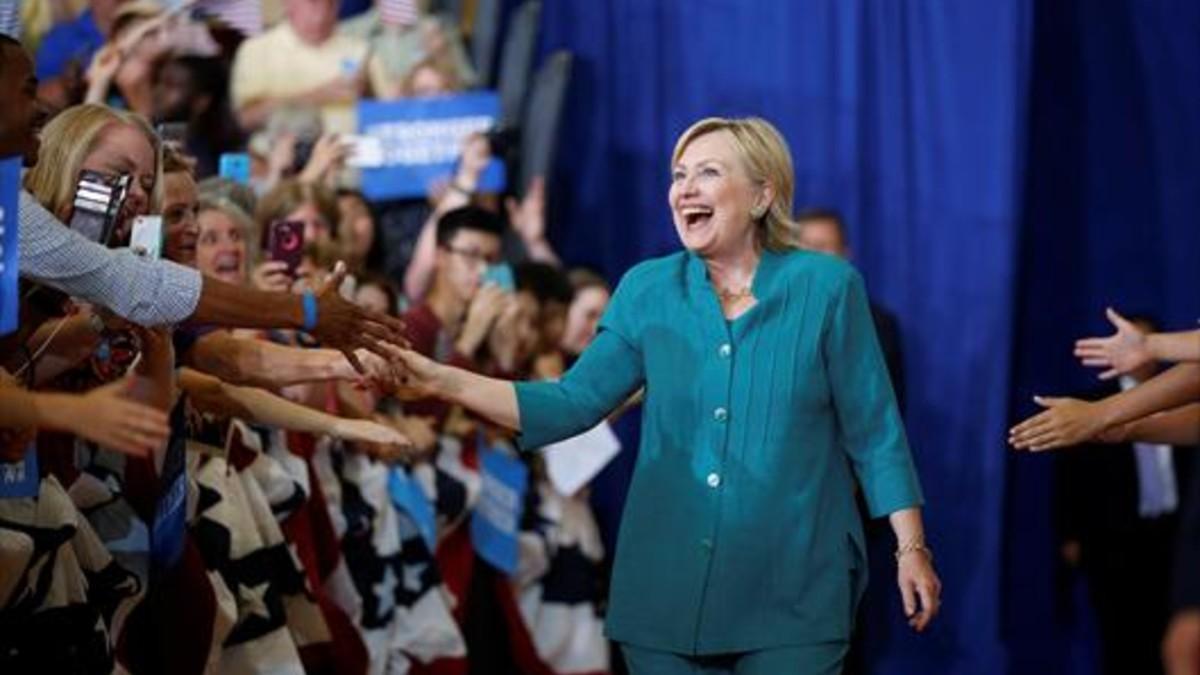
<point x="180" y="207"/>
<point x="712" y="197"/>
<point x="21" y="116"/>
<point x="460" y="263"/>
<point x="583" y="318"/>
<point x="221" y="247"/>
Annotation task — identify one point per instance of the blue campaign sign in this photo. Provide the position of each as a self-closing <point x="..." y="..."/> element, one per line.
<point x="170" y="514"/>
<point x="497" y="519"/>
<point x="20" y="478"/>
<point x="409" y="497"/>
<point x="415" y="142"/>
<point x="10" y="185"/>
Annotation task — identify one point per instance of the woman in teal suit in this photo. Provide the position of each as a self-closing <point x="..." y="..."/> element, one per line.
<point x="741" y="549"/>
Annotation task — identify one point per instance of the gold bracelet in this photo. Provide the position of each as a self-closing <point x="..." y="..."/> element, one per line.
<point x="912" y="547"/>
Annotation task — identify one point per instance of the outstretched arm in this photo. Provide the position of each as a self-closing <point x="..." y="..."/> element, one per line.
<point x="262" y="407"/>
<point x="1069" y="421"/>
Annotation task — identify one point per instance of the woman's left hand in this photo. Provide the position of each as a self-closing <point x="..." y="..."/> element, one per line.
<point x="919" y="582"/>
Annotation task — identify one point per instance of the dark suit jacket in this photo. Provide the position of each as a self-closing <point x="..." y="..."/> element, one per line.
<point x="1096" y="495"/>
<point x="889" y="340"/>
<point x="1186" y="580"/>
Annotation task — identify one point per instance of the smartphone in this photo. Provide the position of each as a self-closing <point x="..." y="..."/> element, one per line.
<point x="235" y="166"/>
<point x="501" y="276"/>
<point x="302" y="152"/>
<point x="285" y="242"/>
<point x="97" y="203"/>
<point x="366" y="152"/>
<point x="146" y="237"/>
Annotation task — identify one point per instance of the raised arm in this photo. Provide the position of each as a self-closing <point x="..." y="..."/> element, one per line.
<point x="1130" y="347"/>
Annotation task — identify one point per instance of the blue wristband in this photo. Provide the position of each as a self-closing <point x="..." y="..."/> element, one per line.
<point x="310" y="311"/>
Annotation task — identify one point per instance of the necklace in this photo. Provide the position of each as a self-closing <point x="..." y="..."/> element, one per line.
<point x="728" y="295"/>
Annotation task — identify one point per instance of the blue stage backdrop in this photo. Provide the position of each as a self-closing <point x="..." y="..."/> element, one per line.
<point x="908" y="117"/>
<point x="1111" y="218"/>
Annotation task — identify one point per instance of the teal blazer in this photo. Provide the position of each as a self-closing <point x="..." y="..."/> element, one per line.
<point x="740" y="531"/>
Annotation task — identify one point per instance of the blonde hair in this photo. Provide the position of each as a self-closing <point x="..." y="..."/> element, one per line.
<point x="291" y="194"/>
<point x="67" y="141"/>
<point x="441" y="63"/>
<point x="766" y="158"/>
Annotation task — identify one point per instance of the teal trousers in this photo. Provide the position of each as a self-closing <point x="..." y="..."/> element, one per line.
<point x="818" y="659"/>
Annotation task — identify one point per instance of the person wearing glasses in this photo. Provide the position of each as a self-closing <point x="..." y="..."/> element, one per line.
<point x="767" y="400"/>
<point x="452" y="321"/>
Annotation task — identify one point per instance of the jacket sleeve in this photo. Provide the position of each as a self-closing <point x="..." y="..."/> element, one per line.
<point x="869" y="423"/>
<point x="606" y="374"/>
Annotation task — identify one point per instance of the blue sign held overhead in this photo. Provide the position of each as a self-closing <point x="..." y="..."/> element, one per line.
<point x="10" y="186"/>
<point x="408" y="145"/>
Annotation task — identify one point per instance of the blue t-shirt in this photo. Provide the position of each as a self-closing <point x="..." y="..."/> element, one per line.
<point x="74" y="40"/>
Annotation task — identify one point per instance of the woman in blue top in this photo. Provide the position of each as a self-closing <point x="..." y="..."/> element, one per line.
<point x="741" y="549"/>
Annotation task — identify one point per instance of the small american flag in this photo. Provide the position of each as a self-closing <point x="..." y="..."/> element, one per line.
<point x="399" y="12"/>
<point x="10" y="18"/>
<point x="244" y="16"/>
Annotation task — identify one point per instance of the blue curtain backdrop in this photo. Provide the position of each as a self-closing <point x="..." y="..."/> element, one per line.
<point x="910" y="118"/>
<point x="1111" y="218"/>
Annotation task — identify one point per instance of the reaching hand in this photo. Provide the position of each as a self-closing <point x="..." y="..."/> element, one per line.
<point x="918" y="581"/>
<point x="1066" y="421"/>
<point x="476" y="154"/>
<point x="504" y="340"/>
<point x="1121" y="353"/>
<point x="345" y="326"/>
<point x="422" y="432"/>
<point x="328" y="156"/>
<point x="105" y="65"/>
<point x="272" y="275"/>
<point x="528" y="217"/>
<point x="418" y="375"/>
<point x="484" y="309"/>
<point x="367" y="431"/>
<point x="106" y="416"/>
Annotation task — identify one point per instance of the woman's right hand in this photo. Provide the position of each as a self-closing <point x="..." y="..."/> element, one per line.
<point x="417" y="376"/>
<point x="482" y="313"/>
<point x="328" y="157"/>
<point x="106" y="415"/>
<point x="272" y="275"/>
<point x="105" y="65"/>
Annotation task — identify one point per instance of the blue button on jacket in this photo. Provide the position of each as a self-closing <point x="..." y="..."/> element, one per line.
<point x="740" y="531"/>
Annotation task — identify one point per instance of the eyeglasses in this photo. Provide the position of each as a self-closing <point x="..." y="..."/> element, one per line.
<point x="473" y="256"/>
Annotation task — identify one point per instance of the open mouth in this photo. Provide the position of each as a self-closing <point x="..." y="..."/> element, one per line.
<point x="228" y="264"/>
<point x="695" y="217"/>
